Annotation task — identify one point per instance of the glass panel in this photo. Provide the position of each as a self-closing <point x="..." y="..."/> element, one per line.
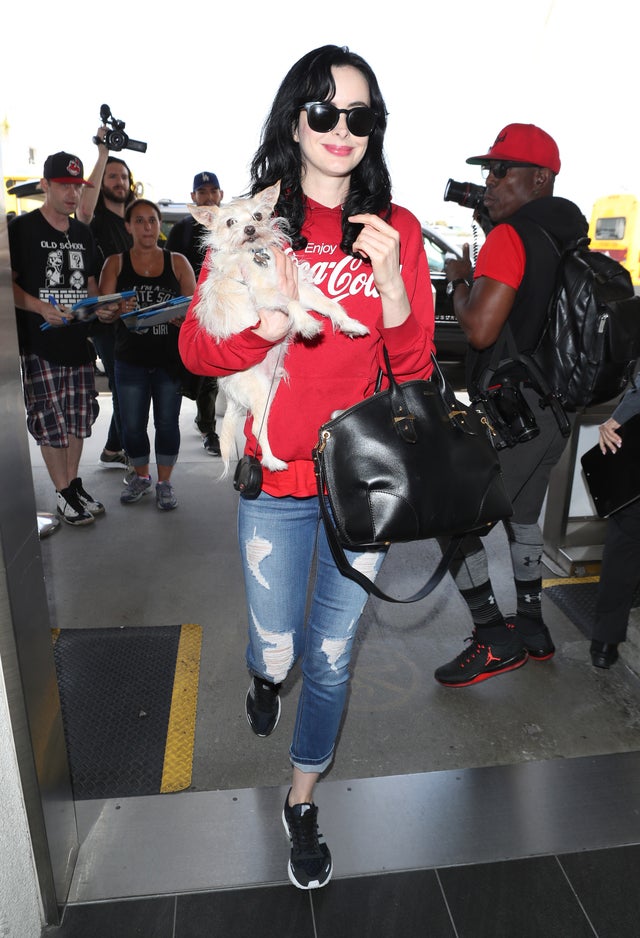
<point x="610" y="229"/>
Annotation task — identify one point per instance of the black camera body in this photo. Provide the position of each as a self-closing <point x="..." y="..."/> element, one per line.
<point x="508" y="412"/>
<point x="248" y="477"/>
<point x="116" y="139"/>
<point x="464" y="193"/>
<point x="468" y="195"/>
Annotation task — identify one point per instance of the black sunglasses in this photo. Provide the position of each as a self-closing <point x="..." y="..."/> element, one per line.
<point x="501" y="168"/>
<point x="323" y="117"/>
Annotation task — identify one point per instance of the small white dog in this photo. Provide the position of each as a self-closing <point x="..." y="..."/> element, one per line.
<point x="242" y="280"/>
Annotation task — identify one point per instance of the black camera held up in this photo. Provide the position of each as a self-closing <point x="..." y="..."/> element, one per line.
<point x="464" y="193"/>
<point x="468" y="195"/>
<point x="116" y="138"/>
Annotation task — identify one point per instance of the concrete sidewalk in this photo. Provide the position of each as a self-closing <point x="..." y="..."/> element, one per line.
<point x="139" y="566"/>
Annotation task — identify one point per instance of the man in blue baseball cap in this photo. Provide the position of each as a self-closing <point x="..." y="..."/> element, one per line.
<point x="186" y="237"/>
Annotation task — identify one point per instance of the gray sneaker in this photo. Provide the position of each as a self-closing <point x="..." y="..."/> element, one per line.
<point x="137" y="487"/>
<point x="165" y="496"/>
<point x="129" y="474"/>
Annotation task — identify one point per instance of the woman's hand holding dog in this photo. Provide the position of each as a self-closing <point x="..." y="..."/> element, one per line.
<point x="275" y="323"/>
<point x="381" y="244"/>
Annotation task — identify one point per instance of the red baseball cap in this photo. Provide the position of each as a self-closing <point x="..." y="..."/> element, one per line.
<point x="523" y="143"/>
<point x="66" y="168"/>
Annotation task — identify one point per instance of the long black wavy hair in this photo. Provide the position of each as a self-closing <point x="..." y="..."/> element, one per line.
<point x="278" y="156"/>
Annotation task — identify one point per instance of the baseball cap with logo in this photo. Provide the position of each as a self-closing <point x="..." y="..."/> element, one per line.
<point x="523" y="143"/>
<point x="205" y="179"/>
<point x="66" y="168"/>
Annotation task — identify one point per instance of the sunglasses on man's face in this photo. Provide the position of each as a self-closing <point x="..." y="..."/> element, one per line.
<point x="500" y="169"/>
<point x="323" y="117"/>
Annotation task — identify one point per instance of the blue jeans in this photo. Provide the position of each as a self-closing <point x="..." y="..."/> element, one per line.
<point x="137" y="387"/>
<point x="279" y="539"/>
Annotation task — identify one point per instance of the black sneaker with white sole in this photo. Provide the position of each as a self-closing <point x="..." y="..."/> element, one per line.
<point x="262" y="705"/>
<point x="310" y="865"/>
<point x="71" y="510"/>
<point x="88" y="502"/>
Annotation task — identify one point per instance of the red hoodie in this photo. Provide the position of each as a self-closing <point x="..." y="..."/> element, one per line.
<point x="334" y="371"/>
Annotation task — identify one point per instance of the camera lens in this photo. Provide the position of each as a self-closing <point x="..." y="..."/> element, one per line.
<point x="466" y="194"/>
<point x="514" y="412"/>
<point x="115" y="140"/>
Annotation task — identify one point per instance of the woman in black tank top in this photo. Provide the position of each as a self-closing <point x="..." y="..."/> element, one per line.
<point x="148" y="366"/>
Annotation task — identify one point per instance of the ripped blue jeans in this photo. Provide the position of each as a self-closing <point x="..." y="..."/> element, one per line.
<point x="279" y="540"/>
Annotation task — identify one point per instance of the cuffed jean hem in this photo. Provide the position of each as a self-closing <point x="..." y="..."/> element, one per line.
<point x="163" y="460"/>
<point x="318" y="767"/>
<point x="160" y="460"/>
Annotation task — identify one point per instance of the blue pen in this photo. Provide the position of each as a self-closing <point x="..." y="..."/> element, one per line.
<point x="52" y="301"/>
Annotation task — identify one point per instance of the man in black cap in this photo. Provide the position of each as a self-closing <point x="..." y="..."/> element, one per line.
<point x="187" y="237"/>
<point x="53" y="261"/>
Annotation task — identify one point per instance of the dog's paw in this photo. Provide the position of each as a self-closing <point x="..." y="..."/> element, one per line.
<point x="273" y="463"/>
<point x="305" y="325"/>
<point x="309" y="328"/>
<point x="352" y="327"/>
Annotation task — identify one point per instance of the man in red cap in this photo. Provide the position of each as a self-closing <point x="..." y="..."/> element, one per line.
<point x="512" y="283"/>
<point x="53" y="262"/>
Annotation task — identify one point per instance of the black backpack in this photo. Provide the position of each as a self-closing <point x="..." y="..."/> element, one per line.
<point x="591" y="341"/>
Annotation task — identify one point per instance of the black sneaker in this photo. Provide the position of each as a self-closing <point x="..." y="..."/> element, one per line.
<point x="480" y="661"/>
<point x="87" y="501"/>
<point x="212" y="444"/>
<point x="535" y="637"/>
<point x="262" y="706"/>
<point x="310" y="865"/>
<point x="70" y="509"/>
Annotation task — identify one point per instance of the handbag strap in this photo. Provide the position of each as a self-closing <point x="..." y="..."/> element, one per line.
<point x="345" y="568"/>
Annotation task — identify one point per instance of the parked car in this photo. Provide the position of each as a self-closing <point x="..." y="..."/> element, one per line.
<point x="451" y="344"/>
<point x="450" y="341"/>
<point x="171" y="212"/>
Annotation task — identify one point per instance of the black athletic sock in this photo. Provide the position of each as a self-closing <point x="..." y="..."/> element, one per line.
<point x="529" y="604"/>
<point x="487" y="618"/>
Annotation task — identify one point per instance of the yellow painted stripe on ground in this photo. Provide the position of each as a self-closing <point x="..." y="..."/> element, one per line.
<point x="568" y="580"/>
<point x="178" y="754"/>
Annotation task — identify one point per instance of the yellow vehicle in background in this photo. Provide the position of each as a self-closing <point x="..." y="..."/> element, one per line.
<point x="614" y="229"/>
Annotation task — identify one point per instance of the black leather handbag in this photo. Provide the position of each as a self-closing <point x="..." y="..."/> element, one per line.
<point x="408" y="463"/>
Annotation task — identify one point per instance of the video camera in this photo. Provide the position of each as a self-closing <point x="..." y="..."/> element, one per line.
<point x="116" y="138"/>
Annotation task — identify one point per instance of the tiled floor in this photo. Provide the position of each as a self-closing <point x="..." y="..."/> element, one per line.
<point x="570" y="896"/>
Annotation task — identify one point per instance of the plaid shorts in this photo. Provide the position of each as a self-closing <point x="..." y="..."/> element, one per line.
<point x="61" y="400"/>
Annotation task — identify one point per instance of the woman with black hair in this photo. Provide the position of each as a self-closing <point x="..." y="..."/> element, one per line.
<point x="323" y="140"/>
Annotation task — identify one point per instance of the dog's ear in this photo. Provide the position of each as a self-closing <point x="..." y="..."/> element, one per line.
<point x="204" y="214"/>
<point x="270" y="195"/>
